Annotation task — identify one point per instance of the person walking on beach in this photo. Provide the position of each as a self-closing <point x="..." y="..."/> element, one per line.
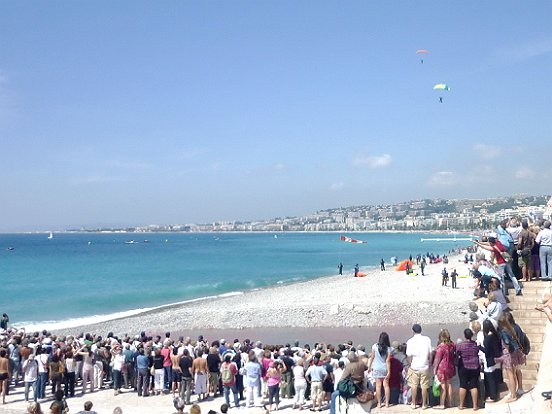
<point x="382" y="265"/>
<point x="418" y="351"/>
<point x="340" y="268"/>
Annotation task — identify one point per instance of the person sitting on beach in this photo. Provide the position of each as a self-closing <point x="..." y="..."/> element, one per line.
<point x="87" y="408"/>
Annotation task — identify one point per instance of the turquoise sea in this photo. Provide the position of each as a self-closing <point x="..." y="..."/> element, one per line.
<point x="95" y="276"/>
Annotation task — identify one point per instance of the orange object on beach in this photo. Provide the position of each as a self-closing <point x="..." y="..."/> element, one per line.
<point x="402" y="265"/>
<point x="360" y="274"/>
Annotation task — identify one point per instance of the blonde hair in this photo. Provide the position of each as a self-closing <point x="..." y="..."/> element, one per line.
<point x="475" y="326"/>
<point x="444" y="336"/>
<point x="195" y="409"/>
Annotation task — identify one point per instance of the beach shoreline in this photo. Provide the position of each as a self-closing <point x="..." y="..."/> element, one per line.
<point x="337" y="302"/>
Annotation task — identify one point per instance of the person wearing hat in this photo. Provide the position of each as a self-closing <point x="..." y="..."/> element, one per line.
<point x="418" y="351"/>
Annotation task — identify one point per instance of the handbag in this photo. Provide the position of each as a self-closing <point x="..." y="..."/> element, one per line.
<point x="152" y="370"/>
<point x="458" y="359"/>
<point x="365" y="396"/>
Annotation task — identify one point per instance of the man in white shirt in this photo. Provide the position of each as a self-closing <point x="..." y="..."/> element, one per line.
<point x="418" y="351"/>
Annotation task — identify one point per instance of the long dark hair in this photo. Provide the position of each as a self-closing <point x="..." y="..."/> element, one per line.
<point x="383" y="344"/>
<point x="488" y="328"/>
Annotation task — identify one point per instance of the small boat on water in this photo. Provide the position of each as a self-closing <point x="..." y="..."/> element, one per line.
<point x="10" y="248"/>
<point x="51" y="236"/>
<point x="131" y="242"/>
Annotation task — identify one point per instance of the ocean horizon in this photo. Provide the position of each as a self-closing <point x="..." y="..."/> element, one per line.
<point x="75" y="279"/>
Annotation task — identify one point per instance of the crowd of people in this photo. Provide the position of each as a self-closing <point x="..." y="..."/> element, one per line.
<point x="246" y="373"/>
<point x="250" y="374"/>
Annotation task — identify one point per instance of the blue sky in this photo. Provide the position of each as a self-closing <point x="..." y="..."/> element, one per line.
<point x="129" y="113"/>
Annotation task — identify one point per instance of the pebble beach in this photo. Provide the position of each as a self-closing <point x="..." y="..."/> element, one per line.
<point x="380" y="299"/>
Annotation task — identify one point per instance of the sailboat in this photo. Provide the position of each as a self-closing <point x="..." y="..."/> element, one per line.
<point x="51" y="236"/>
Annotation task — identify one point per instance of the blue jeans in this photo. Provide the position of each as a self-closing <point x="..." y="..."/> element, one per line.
<point x="545" y="256"/>
<point x="506" y="270"/>
<point x="226" y="390"/>
<point x="41" y="384"/>
<point x="168" y="377"/>
<point x="335" y="396"/>
<point x="28" y="386"/>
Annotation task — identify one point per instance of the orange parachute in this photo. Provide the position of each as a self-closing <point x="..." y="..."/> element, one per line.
<point x="402" y="265"/>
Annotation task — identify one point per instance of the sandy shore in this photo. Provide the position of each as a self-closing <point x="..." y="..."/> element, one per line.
<point x="382" y="298"/>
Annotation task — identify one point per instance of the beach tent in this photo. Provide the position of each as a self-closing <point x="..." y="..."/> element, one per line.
<point x="402" y="265"/>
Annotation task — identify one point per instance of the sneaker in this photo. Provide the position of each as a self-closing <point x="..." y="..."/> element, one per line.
<point x="520" y="293"/>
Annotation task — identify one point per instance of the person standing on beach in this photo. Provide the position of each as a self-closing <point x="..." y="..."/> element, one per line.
<point x="445" y="276"/>
<point x="382" y="265"/>
<point x="142" y="366"/>
<point x="453" y="276"/>
<point x="356" y="270"/>
<point x="252" y="380"/>
<point x="340" y="268"/>
<point x="4" y="321"/>
<point x="213" y="363"/>
<point x="423" y="265"/>
<point x="418" y="351"/>
<point x="201" y="375"/>
<point x="185" y="364"/>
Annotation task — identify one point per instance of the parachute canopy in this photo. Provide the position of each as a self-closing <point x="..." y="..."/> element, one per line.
<point x="402" y="265"/>
<point x="442" y="87"/>
<point x="422" y="51"/>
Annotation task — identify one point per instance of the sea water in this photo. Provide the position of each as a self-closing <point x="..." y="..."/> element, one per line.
<point x="83" y="278"/>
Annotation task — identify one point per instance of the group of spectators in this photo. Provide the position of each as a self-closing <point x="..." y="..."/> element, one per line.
<point x="397" y="373"/>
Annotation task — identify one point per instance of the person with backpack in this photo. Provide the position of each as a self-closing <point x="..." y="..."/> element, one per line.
<point x="228" y="372"/>
<point x="353" y="371"/>
<point x="512" y="356"/>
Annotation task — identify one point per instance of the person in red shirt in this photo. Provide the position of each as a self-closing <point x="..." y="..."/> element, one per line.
<point x="228" y="372"/>
<point x="502" y="259"/>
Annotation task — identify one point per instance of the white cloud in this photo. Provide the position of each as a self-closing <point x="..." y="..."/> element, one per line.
<point x="525" y="173"/>
<point x="443" y="179"/>
<point x="336" y="186"/>
<point x="488" y="152"/>
<point x="374" y="161"/>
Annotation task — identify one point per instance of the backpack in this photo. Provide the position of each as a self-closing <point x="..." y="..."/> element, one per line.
<point x="525" y="343"/>
<point x="346" y="388"/>
<point x="226" y="374"/>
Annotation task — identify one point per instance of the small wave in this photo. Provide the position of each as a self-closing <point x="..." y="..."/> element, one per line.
<point x="90" y="320"/>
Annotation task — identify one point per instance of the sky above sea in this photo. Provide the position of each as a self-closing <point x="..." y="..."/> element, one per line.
<point x="136" y="112"/>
